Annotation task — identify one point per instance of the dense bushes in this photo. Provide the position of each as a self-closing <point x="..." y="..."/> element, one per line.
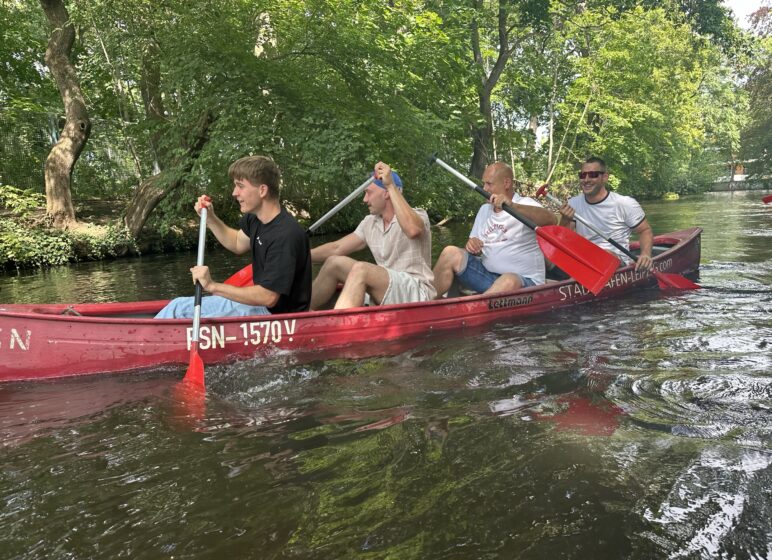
<point x="26" y="241"/>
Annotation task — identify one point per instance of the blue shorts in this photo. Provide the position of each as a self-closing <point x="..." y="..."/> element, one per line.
<point x="211" y="306"/>
<point x="475" y="276"/>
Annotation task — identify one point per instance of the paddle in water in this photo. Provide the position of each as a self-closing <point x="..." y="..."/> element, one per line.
<point x="244" y="276"/>
<point x="195" y="373"/>
<point x="585" y="262"/>
<point x="664" y="280"/>
<point x="767" y="199"/>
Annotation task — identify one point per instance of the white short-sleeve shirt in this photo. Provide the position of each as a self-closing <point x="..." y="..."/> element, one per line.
<point x="616" y="216"/>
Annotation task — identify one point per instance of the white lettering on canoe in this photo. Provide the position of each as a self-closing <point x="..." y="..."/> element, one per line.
<point x="254" y="334"/>
<point x="289" y="327"/>
<point x="571" y="291"/>
<point x="209" y="336"/>
<point x="17" y="341"/>
<point x="664" y="265"/>
<point x="267" y="332"/>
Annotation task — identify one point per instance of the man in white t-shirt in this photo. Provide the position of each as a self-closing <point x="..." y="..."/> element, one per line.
<point x="614" y="214"/>
<point x="400" y="240"/>
<point x="502" y="254"/>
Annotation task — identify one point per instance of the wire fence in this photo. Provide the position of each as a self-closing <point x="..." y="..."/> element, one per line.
<point x="105" y="169"/>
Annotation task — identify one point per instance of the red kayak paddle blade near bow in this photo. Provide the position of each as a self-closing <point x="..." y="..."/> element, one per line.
<point x="767" y="199"/>
<point x="195" y="372"/>
<point x="581" y="259"/>
<point x="675" y="282"/>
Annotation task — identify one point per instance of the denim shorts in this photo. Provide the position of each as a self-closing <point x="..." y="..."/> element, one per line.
<point x="475" y="276"/>
<point x="211" y="306"/>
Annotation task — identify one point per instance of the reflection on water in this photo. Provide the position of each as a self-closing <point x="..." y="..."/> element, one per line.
<point x="637" y="428"/>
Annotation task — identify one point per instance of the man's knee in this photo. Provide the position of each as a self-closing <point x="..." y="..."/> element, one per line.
<point x="451" y="257"/>
<point x="334" y="266"/>
<point x="178" y="308"/>
<point x="358" y="272"/>
<point x="507" y="282"/>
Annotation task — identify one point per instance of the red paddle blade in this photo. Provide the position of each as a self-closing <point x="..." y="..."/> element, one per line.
<point x="241" y="278"/>
<point x="670" y="281"/>
<point x="767" y="199"/>
<point x="584" y="261"/>
<point x="195" y="373"/>
<point x="189" y="405"/>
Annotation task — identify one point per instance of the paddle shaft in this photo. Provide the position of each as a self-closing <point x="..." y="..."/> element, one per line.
<point x="342" y="204"/>
<point x="464" y="179"/>
<point x="578" y="218"/>
<point x="199" y="262"/>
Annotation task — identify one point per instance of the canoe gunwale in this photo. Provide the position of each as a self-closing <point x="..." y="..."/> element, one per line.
<point x="111" y="312"/>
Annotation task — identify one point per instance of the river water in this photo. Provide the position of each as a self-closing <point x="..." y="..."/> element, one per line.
<point x="633" y="428"/>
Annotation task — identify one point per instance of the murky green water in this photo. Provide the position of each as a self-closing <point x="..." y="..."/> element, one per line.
<point x="635" y="428"/>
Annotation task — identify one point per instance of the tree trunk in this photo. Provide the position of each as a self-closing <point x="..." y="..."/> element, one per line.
<point x="482" y="135"/>
<point x="156" y="188"/>
<point x="482" y="138"/>
<point x="77" y="127"/>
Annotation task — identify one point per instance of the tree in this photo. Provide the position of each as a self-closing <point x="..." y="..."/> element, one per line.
<point x="757" y="137"/>
<point x="77" y="126"/>
<point x="512" y="24"/>
<point x="645" y="75"/>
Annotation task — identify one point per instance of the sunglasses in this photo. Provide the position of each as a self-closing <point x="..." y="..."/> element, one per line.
<point x="590" y="174"/>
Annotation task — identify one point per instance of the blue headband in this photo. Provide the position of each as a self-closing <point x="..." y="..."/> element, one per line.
<point x="395" y="178"/>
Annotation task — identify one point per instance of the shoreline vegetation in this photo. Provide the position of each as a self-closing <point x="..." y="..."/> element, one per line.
<point x="28" y="240"/>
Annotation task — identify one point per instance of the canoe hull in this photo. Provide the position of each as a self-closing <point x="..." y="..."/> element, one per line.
<point x="49" y="341"/>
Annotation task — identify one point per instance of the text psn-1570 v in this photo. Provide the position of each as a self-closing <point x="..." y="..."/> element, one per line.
<point x="253" y="333"/>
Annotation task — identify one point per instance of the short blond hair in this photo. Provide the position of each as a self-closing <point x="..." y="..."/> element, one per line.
<point x="258" y="170"/>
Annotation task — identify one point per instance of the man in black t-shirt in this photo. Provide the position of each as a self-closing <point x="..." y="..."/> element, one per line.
<point x="281" y="256"/>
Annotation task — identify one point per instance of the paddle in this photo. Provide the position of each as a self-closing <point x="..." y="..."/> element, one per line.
<point x="244" y="276"/>
<point x="767" y="199"/>
<point x="664" y="280"/>
<point x="587" y="263"/>
<point x="195" y="373"/>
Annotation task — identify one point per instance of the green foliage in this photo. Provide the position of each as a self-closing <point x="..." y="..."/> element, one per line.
<point x="24" y="247"/>
<point x="649" y="83"/>
<point x="26" y="241"/>
<point x="757" y="136"/>
<point x="20" y="202"/>
<point x="329" y="87"/>
<point x="111" y="241"/>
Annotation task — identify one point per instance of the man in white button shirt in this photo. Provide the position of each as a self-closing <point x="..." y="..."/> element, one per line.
<point x="398" y="237"/>
<point x="502" y="254"/>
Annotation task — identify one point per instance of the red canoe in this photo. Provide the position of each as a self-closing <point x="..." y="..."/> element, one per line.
<point x="59" y="340"/>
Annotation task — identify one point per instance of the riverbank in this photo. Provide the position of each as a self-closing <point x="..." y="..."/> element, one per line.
<point x="28" y="241"/>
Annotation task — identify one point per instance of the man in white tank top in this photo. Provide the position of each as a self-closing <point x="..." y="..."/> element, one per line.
<point x="501" y="254"/>
<point x="614" y="214"/>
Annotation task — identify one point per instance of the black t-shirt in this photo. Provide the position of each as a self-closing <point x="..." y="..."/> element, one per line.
<point x="281" y="260"/>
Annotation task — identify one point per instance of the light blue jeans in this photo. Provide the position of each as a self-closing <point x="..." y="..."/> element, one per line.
<point x="211" y="306"/>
